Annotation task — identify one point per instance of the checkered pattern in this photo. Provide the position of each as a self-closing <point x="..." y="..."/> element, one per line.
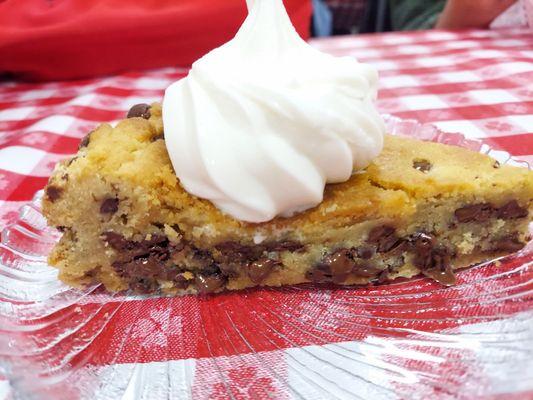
<point x="478" y="83"/>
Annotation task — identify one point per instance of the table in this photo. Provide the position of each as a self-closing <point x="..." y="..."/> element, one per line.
<point x="478" y="83"/>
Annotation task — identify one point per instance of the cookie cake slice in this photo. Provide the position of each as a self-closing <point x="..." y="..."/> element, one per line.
<point x="418" y="208"/>
<point x="269" y="165"/>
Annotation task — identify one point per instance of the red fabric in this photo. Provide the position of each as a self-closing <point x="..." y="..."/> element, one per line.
<point x="66" y="39"/>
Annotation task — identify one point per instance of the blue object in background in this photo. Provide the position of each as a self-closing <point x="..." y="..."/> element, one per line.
<point x="322" y="19"/>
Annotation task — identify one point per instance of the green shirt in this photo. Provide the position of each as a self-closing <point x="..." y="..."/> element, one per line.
<point x="407" y="15"/>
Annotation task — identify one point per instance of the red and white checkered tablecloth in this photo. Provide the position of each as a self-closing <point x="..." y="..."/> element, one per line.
<point x="478" y="83"/>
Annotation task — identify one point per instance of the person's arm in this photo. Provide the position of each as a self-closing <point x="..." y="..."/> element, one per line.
<point x="461" y="14"/>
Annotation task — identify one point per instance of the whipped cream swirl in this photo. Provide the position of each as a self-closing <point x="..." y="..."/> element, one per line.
<point x="262" y="123"/>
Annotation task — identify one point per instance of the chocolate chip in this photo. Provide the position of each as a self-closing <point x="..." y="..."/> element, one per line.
<point x="444" y="277"/>
<point x="144" y="263"/>
<point x="432" y="257"/>
<point x="383" y="276"/>
<point x="474" y="213"/>
<point x="209" y="283"/>
<point x="175" y="275"/>
<point x="422" y="241"/>
<point x="483" y="211"/>
<point x="384" y="237"/>
<point x="231" y="269"/>
<point x="340" y="264"/>
<point x="508" y="243"/>
<point x="441" y="258"/>
<point x="204" y="257"/>
<point x="364" y="252"/>
<point x="422" y="260"/>
<point x="180" y="282"/>
<point x="496" y="164"/>
<point x="139" y="110"/>
<point x="376" y="233"/>
<point x="260" y="269"/>
<point x="422" y="165"/>
<point x="116" y="240"/>
<point x="319" y="274"/>
<point x="171" y="273"/>
<point x="366" y="270"/>
<point x="157" y="245"/>
<point x="145" y="267"/>
<point x="334" y="267"/>
<point x="144" y="271"/>
<point x="109" y="206"/>
<point x="233" y="257"/>
<point x="211" y="269"/>
<point x="433" y="260"/>
<point x="84" y="142"/>
<point x="143" y="285"/>
<point x="236" y="252"/>
<point x="53" y="192"/>
<point x="511" y="210"/>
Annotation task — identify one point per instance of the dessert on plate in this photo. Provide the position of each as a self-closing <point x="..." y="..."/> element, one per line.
<point x="418" y="207"/>
<point x="268" y="165"/>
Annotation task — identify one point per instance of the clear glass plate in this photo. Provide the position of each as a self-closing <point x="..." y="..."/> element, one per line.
<point x="411" y="339"/>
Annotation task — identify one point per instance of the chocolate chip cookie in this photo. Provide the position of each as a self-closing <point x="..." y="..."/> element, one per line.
<point x="419" y="208"/>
